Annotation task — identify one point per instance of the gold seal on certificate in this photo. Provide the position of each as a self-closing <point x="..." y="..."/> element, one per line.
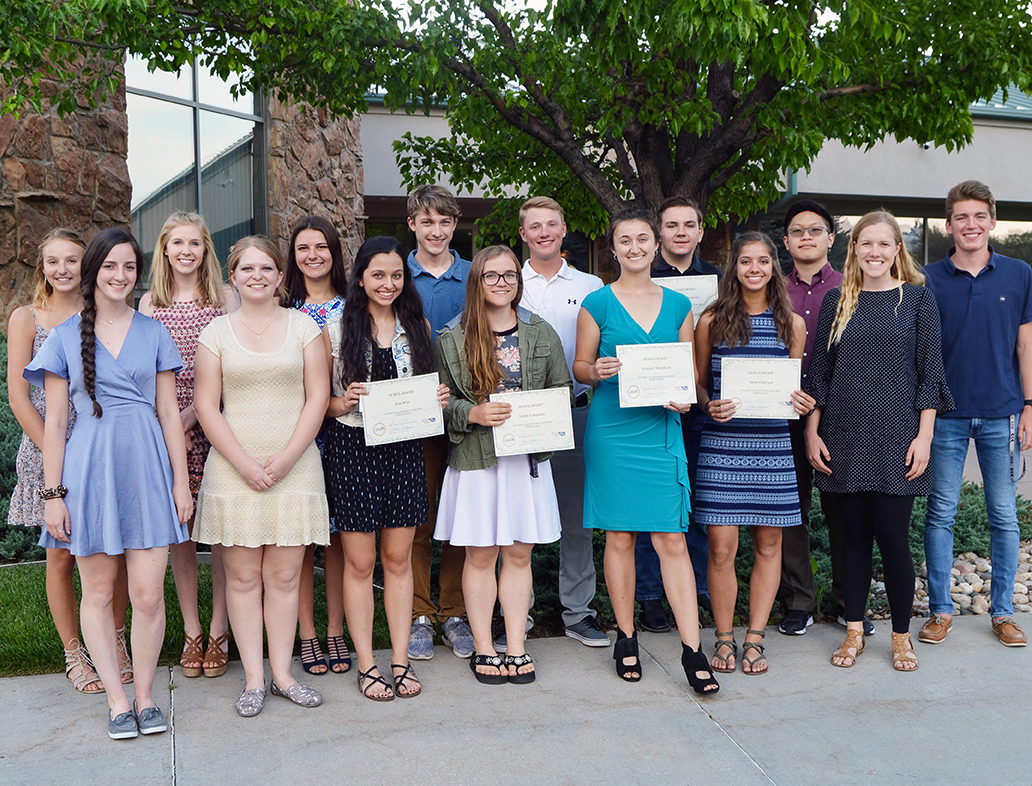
<point x="541" y="422"/>
<point x="761" y="387"/>
<point x="395" y="410"/>
<point x="701" y="290"/>
<point x="653" y="375"/>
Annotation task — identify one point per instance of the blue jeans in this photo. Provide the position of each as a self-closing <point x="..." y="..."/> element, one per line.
<point x="949" y="450"/>
<point x="648" y="579"/>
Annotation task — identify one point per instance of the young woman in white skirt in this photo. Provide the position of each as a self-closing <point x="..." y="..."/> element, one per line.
<point x="496" y="506"/>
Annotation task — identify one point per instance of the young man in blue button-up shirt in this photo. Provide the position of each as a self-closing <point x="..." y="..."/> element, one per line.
<point x="985" y="301"/>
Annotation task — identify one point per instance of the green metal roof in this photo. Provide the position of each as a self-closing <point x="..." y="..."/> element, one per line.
<point x="1018" y="106"/>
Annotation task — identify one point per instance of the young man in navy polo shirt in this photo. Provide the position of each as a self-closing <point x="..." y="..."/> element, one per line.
<point x="680" y="232"/>
<point x="985" y="301"/>
<point x="439" y="275"/>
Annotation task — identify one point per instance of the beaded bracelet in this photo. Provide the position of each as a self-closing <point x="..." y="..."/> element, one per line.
<point x="58" y="492"/>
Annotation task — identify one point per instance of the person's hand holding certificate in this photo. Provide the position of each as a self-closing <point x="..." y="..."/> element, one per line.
<point x="761" y="387"/>
<point x="540" y="422"/>
<point x="654" y="375"/>
<point x="395" y="410"/>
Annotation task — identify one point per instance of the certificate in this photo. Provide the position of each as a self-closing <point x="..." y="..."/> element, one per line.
<point x="701" y="290"/>
<point x="541" y="422"/>
<point x="395" y="410"/>
<point x="761" y="387"/>
<point x="652" y="375"/>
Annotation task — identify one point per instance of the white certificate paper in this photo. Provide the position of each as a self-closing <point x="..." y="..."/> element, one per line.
<point x="701" y="290"/>
<point x="541" y="422"/>
<point x="395" y="410"/>
<point x="653" y="375"/>
<point x="761" y="387"/>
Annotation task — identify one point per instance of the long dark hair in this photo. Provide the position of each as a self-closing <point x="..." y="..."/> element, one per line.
<point x="96" y="252"/>
<point x="357" y="323"/>
<point x="730" y="323"/>
<point x="294" y="279"/>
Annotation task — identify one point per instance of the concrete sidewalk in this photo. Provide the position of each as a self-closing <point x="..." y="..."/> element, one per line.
<point x="964" y="715"/>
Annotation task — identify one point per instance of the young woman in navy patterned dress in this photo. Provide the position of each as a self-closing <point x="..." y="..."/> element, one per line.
<point x="316" y="281"/>
<point x="746" y="475"/>
<point x="381" y="334"/>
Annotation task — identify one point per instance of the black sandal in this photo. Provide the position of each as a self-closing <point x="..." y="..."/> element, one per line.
<point x="627" y="647"/>
<point x="402" y="681"/>
<point x="514" y="663"/>
<point x="693" y="661"/>
<point x="311" y="656"/>
<point x="338" y="654"/>
<point x="368" y="675"/>
<point x="488" y="660"/>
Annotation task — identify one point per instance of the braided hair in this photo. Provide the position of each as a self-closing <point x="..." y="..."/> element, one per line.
<point x="96" y="252"/>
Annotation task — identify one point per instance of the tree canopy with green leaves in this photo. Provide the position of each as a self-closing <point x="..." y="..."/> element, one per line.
<point x="595" y="102"/>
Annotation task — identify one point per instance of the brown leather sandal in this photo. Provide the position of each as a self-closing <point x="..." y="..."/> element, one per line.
<point x="854" y="641"/>
<point x="903" y="652"/>
<point x="192" y="659"/>
<point x="216" y="655"/>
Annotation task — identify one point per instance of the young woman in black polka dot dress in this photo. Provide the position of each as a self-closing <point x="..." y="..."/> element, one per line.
<point x="381" y="334"/>
<point x="878" y="380"/>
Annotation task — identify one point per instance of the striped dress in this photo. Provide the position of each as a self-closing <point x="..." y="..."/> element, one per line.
<point x="746" y="475"/>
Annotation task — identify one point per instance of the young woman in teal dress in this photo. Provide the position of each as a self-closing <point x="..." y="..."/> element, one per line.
<point x="746" y="473"/>
<point x="636" y="474"/>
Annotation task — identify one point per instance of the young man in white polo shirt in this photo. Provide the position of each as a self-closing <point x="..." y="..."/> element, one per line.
<point x="554" y="291"/>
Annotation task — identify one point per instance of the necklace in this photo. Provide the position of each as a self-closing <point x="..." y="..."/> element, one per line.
<point x="113" y="321"/>
<point x="256" y="332"/>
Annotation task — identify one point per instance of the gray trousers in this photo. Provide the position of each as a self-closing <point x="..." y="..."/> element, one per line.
<point x="576" y="560"/>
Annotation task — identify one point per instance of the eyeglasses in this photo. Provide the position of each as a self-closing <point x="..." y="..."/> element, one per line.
<point x="491" y="278"/>
<point x="798" y="232"/>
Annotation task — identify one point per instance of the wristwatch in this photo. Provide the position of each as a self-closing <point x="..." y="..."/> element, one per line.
<point x="1028" y="402"/>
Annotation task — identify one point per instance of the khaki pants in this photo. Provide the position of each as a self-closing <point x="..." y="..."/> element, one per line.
<point x="435" y="455"/>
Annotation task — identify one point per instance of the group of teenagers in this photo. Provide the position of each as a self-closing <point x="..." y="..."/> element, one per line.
<point x="230" y="415"/>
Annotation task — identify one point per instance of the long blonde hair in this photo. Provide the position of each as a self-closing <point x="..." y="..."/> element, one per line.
<point x="43" y="291"/>
<point x="903" y="269"/>
<point x="209" y="290"/>
<point x="477" y="336"/>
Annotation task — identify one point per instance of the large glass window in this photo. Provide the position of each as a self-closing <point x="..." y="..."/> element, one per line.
<point x="193" y="146"/>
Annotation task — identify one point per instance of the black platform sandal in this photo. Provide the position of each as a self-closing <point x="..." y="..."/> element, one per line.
<point x="312" y="657"/>
<point x="627" y="647"/>
<point x="514" y="663"/>
<point x="494" y="661"/>
<point x="693" y="661"/>
<point x="338" y="654"/>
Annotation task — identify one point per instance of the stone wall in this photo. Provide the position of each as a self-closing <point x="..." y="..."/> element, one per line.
<point x="315" y="168"/>
<point x="56" y="171"/>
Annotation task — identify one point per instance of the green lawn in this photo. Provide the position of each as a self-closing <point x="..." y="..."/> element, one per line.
<point x="29" y="642"/>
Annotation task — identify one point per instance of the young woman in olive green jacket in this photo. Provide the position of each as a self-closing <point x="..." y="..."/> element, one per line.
<point x="496" y="506"/>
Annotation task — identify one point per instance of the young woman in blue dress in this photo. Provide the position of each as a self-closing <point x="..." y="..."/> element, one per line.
<point x="56" y="298"/>
<point x="746" y="473"/>
<point x="120" y="485"/>
<point x="316" y="280"/>
<point x="636" y="473"/>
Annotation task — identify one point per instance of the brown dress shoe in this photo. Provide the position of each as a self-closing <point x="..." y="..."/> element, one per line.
<point x="934" y="631"/>
<point x="1009" y="632"/>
